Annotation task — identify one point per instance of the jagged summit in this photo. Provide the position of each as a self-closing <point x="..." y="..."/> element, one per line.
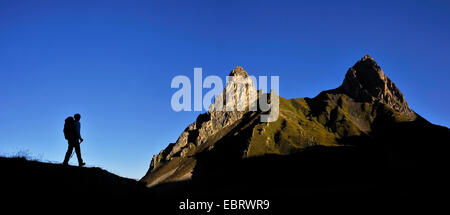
<point x="221" y="116"/>
<point x="366" y="82"/>
<point x="238" y="71"/>
<point x="367" y="57"/>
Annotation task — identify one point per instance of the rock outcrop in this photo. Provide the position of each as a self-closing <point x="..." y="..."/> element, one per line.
<point x="366" y="82"/>
<point x="228" y="107"/>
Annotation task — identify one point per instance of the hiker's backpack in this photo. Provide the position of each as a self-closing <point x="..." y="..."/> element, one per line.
<point x="68" y="127"/>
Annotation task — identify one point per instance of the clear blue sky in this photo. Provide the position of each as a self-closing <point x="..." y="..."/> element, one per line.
<point x="112" y="61"/>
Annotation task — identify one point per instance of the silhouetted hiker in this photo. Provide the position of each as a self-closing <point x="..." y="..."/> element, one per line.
<point x="72" y="134"/>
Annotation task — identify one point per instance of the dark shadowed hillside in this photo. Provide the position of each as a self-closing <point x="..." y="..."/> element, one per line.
<point x="24" y="181"/>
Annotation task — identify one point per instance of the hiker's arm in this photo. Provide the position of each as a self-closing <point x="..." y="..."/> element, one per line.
<point x="79" y="135"/>
<point x="78" y="131"/>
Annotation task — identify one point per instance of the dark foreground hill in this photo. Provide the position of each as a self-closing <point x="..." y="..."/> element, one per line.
<point x="31" y="186"/>
<point x="29" y="179"/>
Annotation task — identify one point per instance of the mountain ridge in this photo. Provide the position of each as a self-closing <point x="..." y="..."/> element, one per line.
<point x="365" y="99"/>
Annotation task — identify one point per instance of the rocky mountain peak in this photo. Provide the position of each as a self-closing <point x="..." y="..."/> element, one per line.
<point x="238" y="71"/>
<point x="221" y="114"/>
<point x="365" y="81"/>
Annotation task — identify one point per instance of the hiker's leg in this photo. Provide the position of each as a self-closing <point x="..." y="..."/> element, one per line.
<point x="68" y="153"/>
<point x="78" y="151"/>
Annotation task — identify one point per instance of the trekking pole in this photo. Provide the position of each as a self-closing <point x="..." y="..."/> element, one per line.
<point x="71" y="155"/>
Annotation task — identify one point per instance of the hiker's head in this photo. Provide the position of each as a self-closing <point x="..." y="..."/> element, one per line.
<point x="77" y="117"/>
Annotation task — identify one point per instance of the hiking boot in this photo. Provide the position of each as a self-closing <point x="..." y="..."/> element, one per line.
<point x="81" y="164"/>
